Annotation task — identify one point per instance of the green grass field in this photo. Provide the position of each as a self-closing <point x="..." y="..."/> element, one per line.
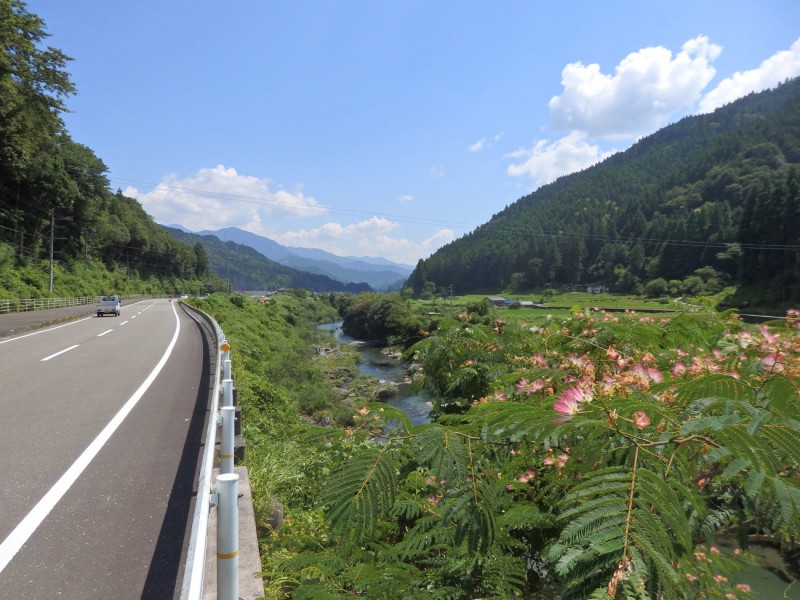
<point x="555" y="305"/>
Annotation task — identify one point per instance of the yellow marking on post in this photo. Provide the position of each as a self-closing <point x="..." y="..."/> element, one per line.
<point x="222" y="556"/>
<point x="224" y="346"/>
<point x="227" y="455"/>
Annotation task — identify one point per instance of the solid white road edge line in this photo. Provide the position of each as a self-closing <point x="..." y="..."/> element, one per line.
<point x="22" y="532"/>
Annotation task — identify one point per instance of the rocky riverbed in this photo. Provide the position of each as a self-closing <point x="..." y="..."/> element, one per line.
<point x="360" y="372"/>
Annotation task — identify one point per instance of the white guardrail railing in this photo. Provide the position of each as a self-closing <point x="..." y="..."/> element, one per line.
<point x="28" y="304"/>
<point x="226" y="495"/>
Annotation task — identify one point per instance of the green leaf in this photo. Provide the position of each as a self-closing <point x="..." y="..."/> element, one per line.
<point x="360" y="492"/>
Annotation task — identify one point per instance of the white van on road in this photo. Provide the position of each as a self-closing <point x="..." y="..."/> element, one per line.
<point x="108" y="305"/>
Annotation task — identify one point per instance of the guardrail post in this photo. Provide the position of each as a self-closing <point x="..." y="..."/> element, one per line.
<point x="228" y="414"/>
<point x="225" y="347"/>
<point x="227" y="392"/>
<point x="228" y="537"/>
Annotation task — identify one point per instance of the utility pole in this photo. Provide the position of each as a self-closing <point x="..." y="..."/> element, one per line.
<point x="52" y="233"/>
<point x="229" y="275"/>
<point x="451" y="299"/>
<point x="52" y="239"/>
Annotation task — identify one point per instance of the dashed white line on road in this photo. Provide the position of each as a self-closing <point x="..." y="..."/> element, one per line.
<point x="59" y="353"/>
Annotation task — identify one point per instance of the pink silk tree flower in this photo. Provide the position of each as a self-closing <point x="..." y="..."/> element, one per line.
<point x="571" y="398"/>
<point x="640" y="419"/>
<point x="529" y="387"/>
<point x="648" y="374"/>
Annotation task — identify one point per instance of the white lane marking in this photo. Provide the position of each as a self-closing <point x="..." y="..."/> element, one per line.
<point x="45" y="330"/>
<point x="22" y="532"/>
<point x="105" y="332"/>
<point x="123" y="323"/>
<point x="46" y="358"/>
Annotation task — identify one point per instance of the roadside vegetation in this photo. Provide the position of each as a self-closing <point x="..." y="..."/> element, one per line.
<point x="593" y="454"/>
<point x="90" y="278"/>
<point x="291" y="385"/>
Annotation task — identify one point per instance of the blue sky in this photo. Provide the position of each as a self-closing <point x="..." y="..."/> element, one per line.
<point x="389" y="128"/>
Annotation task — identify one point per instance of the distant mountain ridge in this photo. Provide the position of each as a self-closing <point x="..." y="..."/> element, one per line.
<point x="246" y="269"/>
<point x="379" y="273"/>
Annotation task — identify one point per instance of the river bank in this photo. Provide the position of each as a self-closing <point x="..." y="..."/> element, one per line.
<point x="381" y="375"/>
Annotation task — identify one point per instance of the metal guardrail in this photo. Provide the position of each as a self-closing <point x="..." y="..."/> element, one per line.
<point x="226" y="496"/>
<point x="29" y="304"/>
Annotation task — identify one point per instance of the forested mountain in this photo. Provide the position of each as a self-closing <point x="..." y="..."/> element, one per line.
<point x="54" y="190"/>
<point x="244" y="268"/>
<point x="711" y="200"/>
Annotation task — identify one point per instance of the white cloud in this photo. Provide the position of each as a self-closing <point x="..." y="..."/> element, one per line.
<point x="214" y="198"/>
<point x="546" y="160"/>
<point x="366" y="238"/>
<point x="436" y="172"/>
<point x="774" y="70"/>
<point x="477" y="146"/>
<point x="647" y="87"/>
<point x="484" y="142"/>
<point x="335" y="234"/>
<point x="220" y="197"/>
<point x="371" y="226"/>
<point x="407" y="251"/>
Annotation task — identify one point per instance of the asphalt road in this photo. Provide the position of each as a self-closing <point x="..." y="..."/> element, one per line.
<point x="101" y="421"/>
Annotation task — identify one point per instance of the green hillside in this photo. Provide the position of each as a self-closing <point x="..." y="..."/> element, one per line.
<point x="707" y="202"/>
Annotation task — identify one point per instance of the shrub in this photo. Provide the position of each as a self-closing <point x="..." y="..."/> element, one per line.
<point x="657" y="287"/>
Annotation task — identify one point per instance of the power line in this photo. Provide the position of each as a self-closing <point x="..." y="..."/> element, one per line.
<point x="320" y="209"/>
<point x="636" y="240"/>
<point x="21" y="199"/>
<point x="475" y="228"/>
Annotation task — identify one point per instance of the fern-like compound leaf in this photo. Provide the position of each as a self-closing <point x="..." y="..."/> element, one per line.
<point x="360" y="492"/>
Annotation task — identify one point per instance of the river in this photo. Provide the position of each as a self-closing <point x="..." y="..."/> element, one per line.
<point x="377" y="364"/>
